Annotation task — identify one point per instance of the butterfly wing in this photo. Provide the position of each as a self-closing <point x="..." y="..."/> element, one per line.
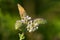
<point x="39" y="21"/>
<point x="22" y="12"/>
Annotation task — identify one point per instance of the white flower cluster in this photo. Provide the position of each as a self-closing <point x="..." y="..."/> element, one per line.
<point x="32" y="25"/>
<point x="25" y="19"/>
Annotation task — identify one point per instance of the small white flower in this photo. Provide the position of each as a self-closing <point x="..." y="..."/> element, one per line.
<point x="30" y="30"/>
<point x="22" y="21"/>
<point x="28" y="18"/>
<point x="36" y="24"/>
<point x="36" y="27"/>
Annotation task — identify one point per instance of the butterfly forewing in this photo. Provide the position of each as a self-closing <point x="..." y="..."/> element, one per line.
<point x="22" y="12"/>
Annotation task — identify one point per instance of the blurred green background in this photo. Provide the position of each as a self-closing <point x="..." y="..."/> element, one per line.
<point x="47" y="9"/>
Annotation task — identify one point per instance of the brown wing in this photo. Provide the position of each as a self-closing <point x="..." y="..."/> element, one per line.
<point x="21" y="11"/>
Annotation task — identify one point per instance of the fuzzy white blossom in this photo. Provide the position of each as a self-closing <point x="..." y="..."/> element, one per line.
<point x="32" y="25"/>
<point x="25" y="19"/>
<point x="28" y="18"/>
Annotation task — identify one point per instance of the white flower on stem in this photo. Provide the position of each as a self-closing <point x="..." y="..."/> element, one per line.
<point x="32" y="25"/>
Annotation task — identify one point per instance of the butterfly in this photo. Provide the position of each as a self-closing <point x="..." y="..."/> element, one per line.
<point x="32" y="25"/>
